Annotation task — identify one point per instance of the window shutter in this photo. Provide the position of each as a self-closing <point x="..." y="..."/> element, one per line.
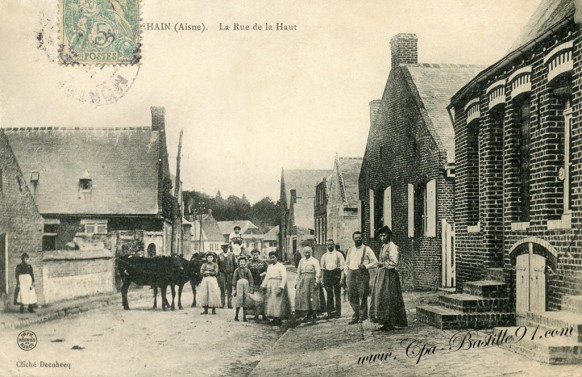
<point x="410" y="210"/>
<point x="431" y="209"/>
<point x="388" y="206"/>
<point x="371" y="201"/>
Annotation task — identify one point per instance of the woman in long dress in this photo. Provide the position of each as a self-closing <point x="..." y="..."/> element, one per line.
<point x="277" y="304"/>
<point x="307" y="294"/>
<point x="387" y="302"/>
<point x="25" y="279"/>
<point x="208" y="291"/>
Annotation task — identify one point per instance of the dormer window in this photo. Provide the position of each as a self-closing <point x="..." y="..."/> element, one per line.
<point x="85" y="182"/>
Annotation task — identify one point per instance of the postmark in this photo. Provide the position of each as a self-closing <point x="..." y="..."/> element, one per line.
<point x="26" y="340"/>
<point x="99" y="32"/>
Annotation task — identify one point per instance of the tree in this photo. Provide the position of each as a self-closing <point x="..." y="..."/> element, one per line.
<point x="265" y="213"/>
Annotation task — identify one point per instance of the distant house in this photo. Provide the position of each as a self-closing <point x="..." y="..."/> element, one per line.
<point x="251" y="234"/>
<point x="343" y="204"/>
<point x="207" y="238"/>
<point x="407" y="176"/>
<point x="99" y="191"/>
<point x="320" y="214"/>
<point x="270" y="241"/>
<point x="297" y="212"/>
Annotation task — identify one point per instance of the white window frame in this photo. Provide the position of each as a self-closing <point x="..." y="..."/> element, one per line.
<point x="371" y="203"/>
<point x="99" y="226"/>
<point x="430" y="225"/>
<point x="410" y="210"/>
<point x="387" y="206"/>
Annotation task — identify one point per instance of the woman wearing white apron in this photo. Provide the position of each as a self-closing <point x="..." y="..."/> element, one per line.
<point x="25" y="284"/>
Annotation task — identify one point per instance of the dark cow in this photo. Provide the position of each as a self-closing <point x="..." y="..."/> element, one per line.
<point x="194" y="266"/>
<point x="160" y="271"/>
<point x="190" y="273"/>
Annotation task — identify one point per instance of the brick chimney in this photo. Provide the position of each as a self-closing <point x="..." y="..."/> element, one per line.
<point x="374" y="110"/>
<point x="158" y="118"/>
<point x="404" y="49"/>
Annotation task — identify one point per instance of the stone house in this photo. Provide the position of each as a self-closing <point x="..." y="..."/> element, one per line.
<point x="297" y="209"/>
<point x="343" y="204"/>
<point x="98" y="192"/>
<point x="407" y="176"/>
<point x="518" y="199"/>
<point x="209" y="238"/>
<point x="251" y="234"/>
<point x="270" y="241"/>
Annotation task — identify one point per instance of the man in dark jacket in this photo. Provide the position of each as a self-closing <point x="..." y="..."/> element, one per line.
<point x="226" y="267"/>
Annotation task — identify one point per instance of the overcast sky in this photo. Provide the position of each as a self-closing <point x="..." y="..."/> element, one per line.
<point x="250" y="102"/>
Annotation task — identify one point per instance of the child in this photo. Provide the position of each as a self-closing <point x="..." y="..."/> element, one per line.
<point x="242" y="283"/>
<point x="209" y="292"/>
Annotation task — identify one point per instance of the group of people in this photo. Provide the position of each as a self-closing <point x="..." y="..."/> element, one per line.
<point x="352" y="273"/>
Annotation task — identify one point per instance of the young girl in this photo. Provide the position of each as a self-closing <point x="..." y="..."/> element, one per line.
<point x="242" y="285"/>
<point x="208" y="291"/>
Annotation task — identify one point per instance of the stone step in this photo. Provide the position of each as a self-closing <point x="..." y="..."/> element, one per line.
<point x="445" y="319"/>
<point x="495" y="274"/>
<point x="552" y="350"/>
<point x="572" y="304"/>
<point x="560" y="321"/>
<point x="474" y="304"/>
<point x="485" y="288"/>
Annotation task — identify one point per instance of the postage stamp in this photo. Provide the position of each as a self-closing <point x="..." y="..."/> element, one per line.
<point x="99" y="31"/>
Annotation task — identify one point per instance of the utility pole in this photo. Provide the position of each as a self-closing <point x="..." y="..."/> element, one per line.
<point x="177" y="223"/>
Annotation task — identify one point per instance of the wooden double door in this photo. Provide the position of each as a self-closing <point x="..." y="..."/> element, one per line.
<point x="530" y="282"/>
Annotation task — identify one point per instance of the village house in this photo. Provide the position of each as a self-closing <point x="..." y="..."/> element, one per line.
<point x="343" y="204"/>
<point x="518" y="200"/>
<point x="407" y="176"/>
<point x="320" y="217"/>
<point x="98" y="191"/>
<point x="270" y="241"/>
<point x="251" y="234"/>
<point x="297" y="209"/>
<point x="209" y="237"/>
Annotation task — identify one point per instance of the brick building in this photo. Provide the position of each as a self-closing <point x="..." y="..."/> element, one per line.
<point x="343" y="204"/>
<point x="320" y="216"/>
<point x="296" y="205"/>
<point x="98" y="191"/>
<point x="407" y="175"/>
<point x="518" y="200"/>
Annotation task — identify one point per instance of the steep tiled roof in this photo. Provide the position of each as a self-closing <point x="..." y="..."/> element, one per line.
<point x="303" y="181"/>
<point x="122" y="164"/>
<point x="303" y="211"/>
<point x="226" y="227"/>
<point x="272" y="234"/>
<point x="211" y="228"/>
<point x="547" y="15"/>
<point x="349" y="173"/>
<point x="433" y="85"/>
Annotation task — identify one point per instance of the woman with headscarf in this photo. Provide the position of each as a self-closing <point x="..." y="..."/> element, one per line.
<point x="25" y="283"/>
<point x="387" y="302"/>
<point x="208" y="291"/>
<point x="307" y="294"/>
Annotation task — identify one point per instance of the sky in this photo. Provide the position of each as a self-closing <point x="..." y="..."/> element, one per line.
<point x="249" y="102"/>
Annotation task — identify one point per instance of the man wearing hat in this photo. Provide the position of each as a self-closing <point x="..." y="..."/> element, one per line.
<point x="358" y="260"/>
<point x="226" y="266"/>
<point x="235" y="239"/>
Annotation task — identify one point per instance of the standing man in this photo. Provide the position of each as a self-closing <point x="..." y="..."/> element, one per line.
<point x="359" y="259"/>
<point x="332" y="267"/>
<point x="235" y="239"/>
<point x="226" y="266"/>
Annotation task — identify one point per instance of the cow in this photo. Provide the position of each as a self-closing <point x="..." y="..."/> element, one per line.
<point x="189" y="273"/>
<point x="159" y="271"/>
<point x="195" y="264"/>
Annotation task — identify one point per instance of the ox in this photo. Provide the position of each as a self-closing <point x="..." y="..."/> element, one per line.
<point x="160" y="271"/>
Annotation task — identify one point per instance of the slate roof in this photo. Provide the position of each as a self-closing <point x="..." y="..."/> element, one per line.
<point x="226" y="227"/>
<point x="122" y="163"/>
<point x="304" y="213"/>
<point x="548" y="14"/>
<point x="303" y="181"/>
<point x="349" y="173"/>
<point x="433" y="85"/>
<point x="272" y="234"/>
<point x="211" y="229"/>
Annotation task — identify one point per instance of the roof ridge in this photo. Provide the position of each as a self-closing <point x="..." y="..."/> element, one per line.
<point x="443" y="65"/>
<point x="76" y="128"/>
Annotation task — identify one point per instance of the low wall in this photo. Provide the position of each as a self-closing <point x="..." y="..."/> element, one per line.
<point x="69" y="274"/>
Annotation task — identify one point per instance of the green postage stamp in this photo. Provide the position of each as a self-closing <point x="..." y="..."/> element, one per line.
<point x="99" y="31"/>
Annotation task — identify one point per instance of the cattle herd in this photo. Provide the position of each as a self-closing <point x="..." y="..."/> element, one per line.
<point x="160" y="272"/>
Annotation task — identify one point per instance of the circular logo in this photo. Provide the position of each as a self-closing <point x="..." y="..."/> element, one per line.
<point x="26" y="340"/>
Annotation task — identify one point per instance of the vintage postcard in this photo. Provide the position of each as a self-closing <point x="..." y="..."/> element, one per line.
<point x="290" y="188"/>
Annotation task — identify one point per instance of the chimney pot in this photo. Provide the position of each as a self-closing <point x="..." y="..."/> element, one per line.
<point x="158" y="118"/>
<point x="404" y="49"/>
